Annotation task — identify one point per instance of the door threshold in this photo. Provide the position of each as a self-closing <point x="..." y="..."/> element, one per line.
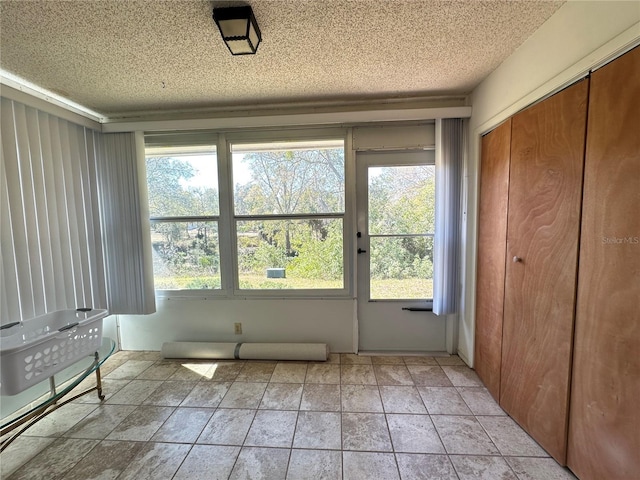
<point x="392" y="353"/>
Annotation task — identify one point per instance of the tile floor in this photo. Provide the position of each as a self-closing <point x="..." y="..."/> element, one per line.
<point x="354" y="417"/>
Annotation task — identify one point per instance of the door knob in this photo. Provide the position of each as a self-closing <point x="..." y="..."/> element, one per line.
<point x="517" y="259"/>
<point x="361" y="251"/>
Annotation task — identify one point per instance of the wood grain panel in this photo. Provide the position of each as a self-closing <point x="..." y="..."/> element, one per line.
<point x="547" y="157"/>
<point x="492" y="245"/>
<point x="604" y="436"/>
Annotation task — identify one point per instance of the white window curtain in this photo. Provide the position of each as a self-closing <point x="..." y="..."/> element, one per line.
<point x="449" y="159"/>
<point x="50" y="250"/>
<point x="125" y="223"/>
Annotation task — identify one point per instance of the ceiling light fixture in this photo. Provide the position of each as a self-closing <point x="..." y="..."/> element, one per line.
<point x="239" y="29"/>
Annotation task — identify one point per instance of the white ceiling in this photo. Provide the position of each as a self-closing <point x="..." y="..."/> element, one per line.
<point x="124" y="57"/>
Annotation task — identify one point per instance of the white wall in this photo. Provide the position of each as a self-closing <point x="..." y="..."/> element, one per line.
<point x="578" y="37"/>
<point x="263" y="320"/>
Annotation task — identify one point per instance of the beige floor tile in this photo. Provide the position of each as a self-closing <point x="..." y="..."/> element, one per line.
<point x="289" y="373"/>
<point x="259" y="463"/>
<point x="413" y="434"/>
<point x="321" y="398"/>
<point x="401" y="399"/>
<point x="357" y="375"/>
<point x="334" y="358"/>
<point x="158" y="371"/>
<point x="392" y="375"/>
<point x="387" y="360"/>
<point x="129" y="370"/>
<point x="55" y="460"/>
<point x="208" y="462"/>
<point x="353" y="359"/>
<point x="416" y="466"/>
<point x="429" y="376"/>
<point x="419" y="360"/>
<point x="225" y="371"/>
<point x="170" y="393"/>
<point x="134" y="393"/>
<point x="272" y="428"/>
<point x="463" y="435"/>
<point x="22" y="450"/>
<point x="369" y="465"/>
<point x="156" y="460"/>
<point x="480" y="401"/>
<point x="227" y="427"/>
<point x="462" y="376"/>
<point x="60" y="421"/>
<point x="321" y="373"/>
<point x="443" y="401"/>
<point x="315" y="465"/>
<point x="318" y="430"/>
<point x="184" y="425"/>
<point x="451" y="360"/>
<point x="361" y="398"/>
<point x="365" y="432"/>
<point x="150" y="355"/>
<point x="510" y="439"/>
<point x="529" y="468"/>
<point x="282" y="396"/>
<point x="99" y="423"/>
<point x="206" y="394"/>
<point x="142" y="424"/>
<point x="109" y="388"/>
<point x="106" y="461"/>
<point x="482" y="468"/>
<point x="193" y="372"/>
<point x="113" y="362"/>
<point x="256" y="372"/>
<point x="243" y="395"/>
<point x="304" y="420"/>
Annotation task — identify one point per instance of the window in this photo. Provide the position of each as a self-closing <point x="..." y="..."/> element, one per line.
<point x="401" y="231"/>
<point x="279" y="225"/>
<point x="289" y="200"/>
<point x="184" y="208"/>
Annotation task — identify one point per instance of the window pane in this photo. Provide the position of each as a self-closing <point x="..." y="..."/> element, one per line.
<point x="401" y="268"/>
<point x="185" y="255"/>
<point x="288" y="178"/>
<point x="183" y="184"/>
<point x="290" y="254"/>
<point x="401" y="200"/>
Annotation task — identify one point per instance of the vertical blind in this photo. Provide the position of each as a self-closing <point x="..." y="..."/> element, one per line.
<point x="74" y="228"/>
<point x="449" y="151"/>
<point x="125" y="215"/>
<point x="50" y="251"/>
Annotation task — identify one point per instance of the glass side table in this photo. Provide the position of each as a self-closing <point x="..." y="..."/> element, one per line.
<point x="47" y="403"/>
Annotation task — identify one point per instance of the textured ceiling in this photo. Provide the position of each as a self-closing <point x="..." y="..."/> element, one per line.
<point x="124" y="56"/>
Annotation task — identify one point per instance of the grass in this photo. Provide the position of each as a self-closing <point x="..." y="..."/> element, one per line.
<point x="381" y="289"/>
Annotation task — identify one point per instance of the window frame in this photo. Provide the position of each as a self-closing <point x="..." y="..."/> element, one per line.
<point x="227" y="220"/>
<point x="173" y="143"/>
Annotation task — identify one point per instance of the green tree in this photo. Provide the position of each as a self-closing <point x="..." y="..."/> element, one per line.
<point x="283" y="183"/>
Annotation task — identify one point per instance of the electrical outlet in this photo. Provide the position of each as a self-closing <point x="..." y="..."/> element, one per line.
<point x="237" y="328"/>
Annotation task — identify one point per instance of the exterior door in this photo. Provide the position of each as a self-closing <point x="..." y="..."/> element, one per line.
<point x="543" y="226"/>
<point x="396" y="216"/>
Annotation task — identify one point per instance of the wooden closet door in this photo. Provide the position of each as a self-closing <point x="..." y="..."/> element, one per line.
<point x="545" y="192"/>
<point x="492" y="244"/>
<point x="604" y="434"/>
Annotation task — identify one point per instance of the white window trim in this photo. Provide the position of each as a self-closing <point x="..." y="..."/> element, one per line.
<point x="227" y="237"/>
